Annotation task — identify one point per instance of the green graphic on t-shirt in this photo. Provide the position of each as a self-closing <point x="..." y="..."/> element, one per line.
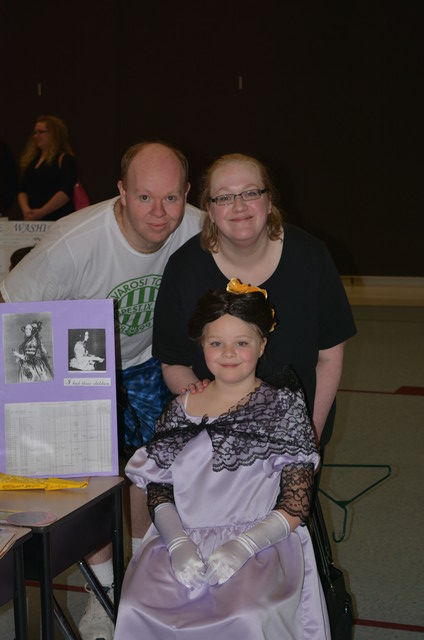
<point x="135" y="302"/>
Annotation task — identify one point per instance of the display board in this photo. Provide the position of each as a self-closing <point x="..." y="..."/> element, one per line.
<point x="58" y="389"/>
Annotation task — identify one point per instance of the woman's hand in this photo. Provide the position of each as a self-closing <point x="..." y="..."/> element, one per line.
<point x="56" y="202"/>
<point x="196" y="387"/>
<point x="34" y="214"/>
<point x="180" y="379"/>
<point x="27" y="214"/>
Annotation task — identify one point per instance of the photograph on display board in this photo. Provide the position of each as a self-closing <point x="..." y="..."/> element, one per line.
<point x="28" y="348"/>
<point x="87" y="349"/>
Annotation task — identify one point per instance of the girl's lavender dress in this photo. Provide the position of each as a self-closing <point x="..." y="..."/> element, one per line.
<point x="226" y="475"/>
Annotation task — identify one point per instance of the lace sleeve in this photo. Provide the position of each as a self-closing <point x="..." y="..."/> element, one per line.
<point x="296" y="490"/>
<point x="158" y="493"/>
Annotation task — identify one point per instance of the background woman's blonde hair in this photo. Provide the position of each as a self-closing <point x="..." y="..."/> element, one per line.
<point x="209" y="236"/>
<point x="58" y="142"/>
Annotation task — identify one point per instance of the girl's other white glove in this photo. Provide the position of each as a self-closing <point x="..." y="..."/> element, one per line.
<point x="232" y="555"/>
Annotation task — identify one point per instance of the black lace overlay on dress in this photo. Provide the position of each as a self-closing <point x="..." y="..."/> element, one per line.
<point x="269" y="421"/>
<point x="158" y="493"/>
<point x="285" y="377"/>
<point x="296" y="490"/>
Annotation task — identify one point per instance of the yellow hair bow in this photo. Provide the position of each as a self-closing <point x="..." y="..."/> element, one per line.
<point x="235" y="286"/>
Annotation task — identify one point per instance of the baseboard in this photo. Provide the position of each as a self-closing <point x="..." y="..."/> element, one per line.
<point x="384" y="291"/>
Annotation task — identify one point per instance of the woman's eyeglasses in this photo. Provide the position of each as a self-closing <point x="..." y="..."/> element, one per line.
<point x="246" y="196"/>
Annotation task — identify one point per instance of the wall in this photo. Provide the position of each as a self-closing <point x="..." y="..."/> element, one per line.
<point x="328" y="94"/>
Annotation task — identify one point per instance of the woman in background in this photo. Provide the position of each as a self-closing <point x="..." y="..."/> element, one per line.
<point x="49" y="172"/>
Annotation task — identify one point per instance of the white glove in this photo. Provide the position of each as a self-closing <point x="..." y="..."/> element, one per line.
<point x="232" y="555"/>
<point x="186" y="561"/>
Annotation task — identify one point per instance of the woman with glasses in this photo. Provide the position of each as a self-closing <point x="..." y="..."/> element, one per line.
<point x="49" y="172"/>
<point x="245" y="236"/>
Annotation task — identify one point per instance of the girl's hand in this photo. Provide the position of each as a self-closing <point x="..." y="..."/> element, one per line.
<point x="226" y="561"/>
<point x="187" y="563"/>
<point x="186" y="559"/>
<point x="232" y="555"/>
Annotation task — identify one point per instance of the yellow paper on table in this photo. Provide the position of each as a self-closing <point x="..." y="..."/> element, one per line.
<point x="15" y="483"/>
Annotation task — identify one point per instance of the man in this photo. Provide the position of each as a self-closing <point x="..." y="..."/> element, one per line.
<point x="118" y="249"/>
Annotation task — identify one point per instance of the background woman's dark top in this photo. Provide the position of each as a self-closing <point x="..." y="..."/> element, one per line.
<point x="42" y="183"/>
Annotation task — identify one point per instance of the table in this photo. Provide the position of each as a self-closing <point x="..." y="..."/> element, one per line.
<point x="12" y="583"/>
<point x="86" y="519"/>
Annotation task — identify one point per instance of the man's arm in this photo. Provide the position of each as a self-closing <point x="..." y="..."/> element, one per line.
<point x="328" y="372"/>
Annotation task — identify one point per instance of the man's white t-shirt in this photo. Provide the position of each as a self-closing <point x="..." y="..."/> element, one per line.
<point x="85" y="256"/>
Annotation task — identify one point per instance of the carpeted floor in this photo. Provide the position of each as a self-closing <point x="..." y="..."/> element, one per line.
<point x="380" y="421"/>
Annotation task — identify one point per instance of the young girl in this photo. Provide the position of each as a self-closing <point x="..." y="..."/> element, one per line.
<point x="228" y="478"/>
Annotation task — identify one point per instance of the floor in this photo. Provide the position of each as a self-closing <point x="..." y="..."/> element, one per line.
<point x="380" y="416"/>
<point x="379" y="427"/>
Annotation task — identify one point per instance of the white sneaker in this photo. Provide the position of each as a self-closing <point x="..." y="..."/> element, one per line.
<point x="95" y="624"/>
